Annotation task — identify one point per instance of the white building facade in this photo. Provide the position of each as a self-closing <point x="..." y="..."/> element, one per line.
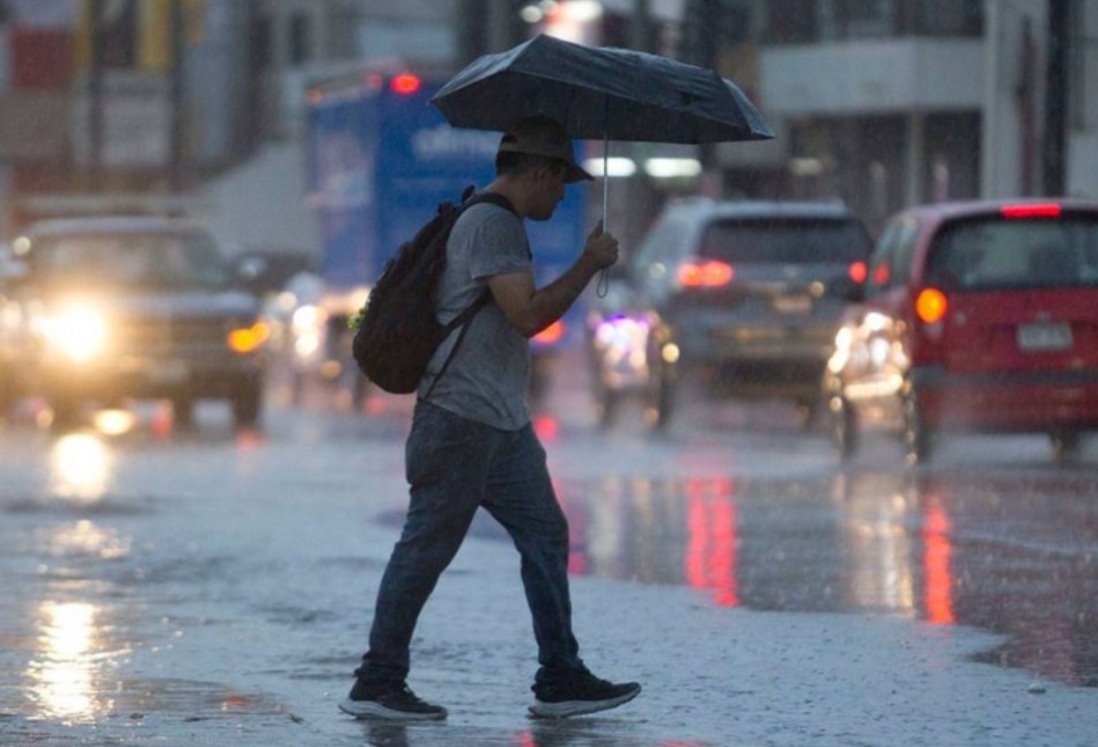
<point x="887" y="103"/>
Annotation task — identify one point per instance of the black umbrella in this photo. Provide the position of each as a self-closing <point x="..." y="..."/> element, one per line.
<point x="600" y="93"/>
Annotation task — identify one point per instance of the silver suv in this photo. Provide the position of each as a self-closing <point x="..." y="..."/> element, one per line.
<point x="133" y="308"/>
<point x="743" y="296"/>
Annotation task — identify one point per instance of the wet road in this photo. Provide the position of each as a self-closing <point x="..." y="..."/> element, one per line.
<point x="118" y="550"/>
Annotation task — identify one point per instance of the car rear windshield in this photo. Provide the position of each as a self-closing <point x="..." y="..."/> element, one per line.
<point x="176" y="260"/>
<point x="999" y="253"/>
<point x="785" y="241"/>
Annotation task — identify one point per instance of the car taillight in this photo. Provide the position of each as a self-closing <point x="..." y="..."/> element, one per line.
<point x="705" y="274"/>
<point x="931" y="305"/>
<point x="551" y="334"/>
<point x="1034" y="210"/>
<point x="858" y="272"/>
<point x="405" y="84"/>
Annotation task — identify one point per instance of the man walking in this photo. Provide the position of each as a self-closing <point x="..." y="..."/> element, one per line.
<point x="472" y="443"/>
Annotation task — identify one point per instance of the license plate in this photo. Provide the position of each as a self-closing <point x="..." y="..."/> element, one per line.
<point x="168" y="372"/>
<point x="793" y="304"/>
<point x="1043" y="336"/>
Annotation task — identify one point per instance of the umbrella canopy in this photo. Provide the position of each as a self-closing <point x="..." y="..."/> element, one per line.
<point x="600" y="94"/>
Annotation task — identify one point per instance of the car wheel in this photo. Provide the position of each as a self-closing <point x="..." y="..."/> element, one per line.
<point x="247" y="406"/>
<point x="541" y="379"/>
<point x="183" y="412"/>
<point x="360" y="387"/>
<point x="607" y="405"/>
<point x="844" y="427"/>
<point x="808" y="410"/>
<point x="917" y="437"/>
<point x="7" y="398"/>
<point x="660" y="401"/>
<point x="298" y="385"/>
<point x="1065" y="445"/>
<point x="66" y="413"/>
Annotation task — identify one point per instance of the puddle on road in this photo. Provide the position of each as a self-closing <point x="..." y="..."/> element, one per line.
<point x="79" y="480"/>
<point x="1012" y="555"/>
<point x="71" y="674"/>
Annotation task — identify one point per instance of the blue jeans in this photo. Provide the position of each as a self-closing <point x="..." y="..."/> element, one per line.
<point x="454" y="465"/>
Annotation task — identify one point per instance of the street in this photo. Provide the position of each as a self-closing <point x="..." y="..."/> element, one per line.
<point x="209" y="586"/>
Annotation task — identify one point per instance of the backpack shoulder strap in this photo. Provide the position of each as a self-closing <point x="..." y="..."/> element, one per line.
<point x="464" y="319"/>
<point x="492" y="198"/>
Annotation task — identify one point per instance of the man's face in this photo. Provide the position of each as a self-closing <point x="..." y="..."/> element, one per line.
<point x="550" y="182"/>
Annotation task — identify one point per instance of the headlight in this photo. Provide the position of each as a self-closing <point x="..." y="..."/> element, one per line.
<point x="79" y="331"/>
<point x="307" y="326"/>
<point x="623" y="342"/>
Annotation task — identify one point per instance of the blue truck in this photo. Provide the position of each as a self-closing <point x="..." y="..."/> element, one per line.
<point x="380" y="159"/>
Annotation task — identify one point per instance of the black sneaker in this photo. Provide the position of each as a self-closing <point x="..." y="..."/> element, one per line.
<point x="389" y="702"/>
<point x="580" y="693"/>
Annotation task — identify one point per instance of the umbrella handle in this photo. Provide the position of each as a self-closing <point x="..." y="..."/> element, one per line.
<point x="603" y="286"/>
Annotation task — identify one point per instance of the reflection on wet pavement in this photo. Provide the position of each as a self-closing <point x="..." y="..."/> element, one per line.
<point x="61" y="676"/>
<point x="588" y="732"/>
<point x="941" y="547"/>
<point x="80" y="467"/>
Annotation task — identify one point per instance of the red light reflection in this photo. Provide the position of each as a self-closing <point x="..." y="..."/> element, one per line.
<point x="547" y="427"/>
<point x="710" y="561"/>
<point x="249" y="439"/>
<point x="375" y="406"/>
<point x="578" y="520"/>
<point x="551" y="334"/>
<point x="937" y="549"/>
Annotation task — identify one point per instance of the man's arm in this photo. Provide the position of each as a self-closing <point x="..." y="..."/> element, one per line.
<point x="530" y="310"/>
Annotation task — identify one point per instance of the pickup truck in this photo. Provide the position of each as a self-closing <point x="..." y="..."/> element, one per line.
<point x="110" y="309"/>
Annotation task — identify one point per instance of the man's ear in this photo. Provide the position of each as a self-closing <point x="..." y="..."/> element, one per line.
<point x="542" y="171"/>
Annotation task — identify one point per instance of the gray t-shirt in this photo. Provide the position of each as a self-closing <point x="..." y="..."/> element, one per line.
<point x="488" y="378"/>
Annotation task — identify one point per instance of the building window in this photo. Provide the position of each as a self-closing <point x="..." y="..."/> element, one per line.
<point x="791" y="22"/>
<point x="947" y="17"/>
<point x="299" y="39"/>
<point x="259" y="44"/>
<point x="864" y="18"/>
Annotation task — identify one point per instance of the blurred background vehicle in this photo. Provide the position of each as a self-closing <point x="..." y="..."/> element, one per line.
<point x="282" y="279"/>
<point x="380" y="159"/>
<point x="742" y="298"/>
<point x="117" y="308"/>
<point x="10" y="271"/>
<point x="980" y="316"/>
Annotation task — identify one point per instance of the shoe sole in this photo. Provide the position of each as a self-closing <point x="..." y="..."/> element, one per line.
<point x="378" y="712"/>
<point x="579" y="707"/>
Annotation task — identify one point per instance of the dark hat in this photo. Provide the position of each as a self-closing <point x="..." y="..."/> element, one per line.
<point x="543" y="136"/>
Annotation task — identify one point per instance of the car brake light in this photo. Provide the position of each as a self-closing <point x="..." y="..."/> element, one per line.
<point x="405" y="84"/>
<point x="931" y="305"/>
<point x="708" y="274"/>
<point x="858" y="272"/>
<point x="550" y="334"/>
<point x="1036" y="210"/>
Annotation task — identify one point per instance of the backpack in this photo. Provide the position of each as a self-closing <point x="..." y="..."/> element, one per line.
<point x="399" y="331"/>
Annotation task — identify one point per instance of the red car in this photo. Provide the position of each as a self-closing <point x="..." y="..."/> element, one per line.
<point x="977" y="316"/>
